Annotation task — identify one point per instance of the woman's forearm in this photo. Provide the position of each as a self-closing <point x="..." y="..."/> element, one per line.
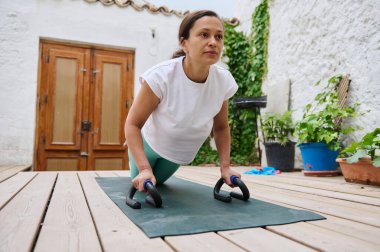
<point x="135" y="145"/>
<point x="222" y="142"/>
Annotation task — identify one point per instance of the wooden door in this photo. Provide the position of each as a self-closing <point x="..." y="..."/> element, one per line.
<point x="82" y="103"/>
<point x="111" y="99"/>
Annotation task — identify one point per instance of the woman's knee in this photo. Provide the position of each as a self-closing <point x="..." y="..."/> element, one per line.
<point x="163" y="170"/>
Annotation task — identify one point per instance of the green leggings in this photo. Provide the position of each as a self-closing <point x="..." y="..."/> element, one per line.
<point x="162" y="168"/>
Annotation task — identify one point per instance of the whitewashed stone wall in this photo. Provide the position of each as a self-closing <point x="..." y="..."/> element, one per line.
<point x="309" y="40"/>
<point x="312" y="40"/>
<point x="22" y="23"/>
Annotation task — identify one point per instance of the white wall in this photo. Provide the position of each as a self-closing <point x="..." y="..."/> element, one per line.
<point x="22" y="23"/>
<point x="243" y="11"/>
<point x="309" y="40"/>
<point x="312" y="40"/>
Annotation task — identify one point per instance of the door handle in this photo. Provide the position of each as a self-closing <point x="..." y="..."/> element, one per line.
<point x="86" y="125"/>
<point x="84" y="154"/>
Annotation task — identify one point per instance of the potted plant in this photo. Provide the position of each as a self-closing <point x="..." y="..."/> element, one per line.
<point x="361" y="161"/>
<point x="279" y="149"/>
<point x="320" y="130"/>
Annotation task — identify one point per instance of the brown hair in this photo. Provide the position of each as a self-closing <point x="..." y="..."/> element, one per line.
<point x="188" y="23"/>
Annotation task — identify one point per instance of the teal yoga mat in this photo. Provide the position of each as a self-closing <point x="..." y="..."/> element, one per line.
<point x="189" y="208"/>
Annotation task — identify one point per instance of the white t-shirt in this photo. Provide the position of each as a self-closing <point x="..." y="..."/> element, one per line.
<point x="184" y="117"/>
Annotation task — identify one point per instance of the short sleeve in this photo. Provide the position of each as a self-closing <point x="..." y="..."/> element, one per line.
<point x="155" y="82"/>
<point x="232" y="87"/>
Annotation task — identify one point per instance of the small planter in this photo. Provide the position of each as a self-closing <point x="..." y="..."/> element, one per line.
<point x="319" y="160"/>
<point x="362" y="172"/>
<point x="280" y="156"/>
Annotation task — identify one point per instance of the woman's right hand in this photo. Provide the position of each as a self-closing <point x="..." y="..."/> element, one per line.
<point x="139" y="180"/>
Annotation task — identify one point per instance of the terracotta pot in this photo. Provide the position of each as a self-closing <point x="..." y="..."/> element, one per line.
<point x="362" y="172"/>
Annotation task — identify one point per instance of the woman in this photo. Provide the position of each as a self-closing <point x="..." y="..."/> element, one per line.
<point x="180" y="101"/>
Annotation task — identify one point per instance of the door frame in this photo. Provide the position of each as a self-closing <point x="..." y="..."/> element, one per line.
<point x="40" y="78"/>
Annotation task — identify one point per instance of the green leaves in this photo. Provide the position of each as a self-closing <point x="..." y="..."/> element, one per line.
<point x="277" y="127"/>
<point x="376" y="162"/>
<point x="321" y="121"/>
<point x="366" y="147"/>
<point x="355" y="158"/>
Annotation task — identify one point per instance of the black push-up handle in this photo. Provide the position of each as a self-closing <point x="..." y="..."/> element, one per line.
<point x="153" y="197"/>
<point x="227" y="198"/>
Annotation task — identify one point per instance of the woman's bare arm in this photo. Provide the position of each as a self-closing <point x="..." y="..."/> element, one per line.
<point x="144" y="104"/>
<point x="222" y="138"/>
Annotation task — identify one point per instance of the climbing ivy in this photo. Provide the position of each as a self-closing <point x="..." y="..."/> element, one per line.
<point x="246" y="57"/>
<point x="239" y="53"/>
<point x="259" y="39"/>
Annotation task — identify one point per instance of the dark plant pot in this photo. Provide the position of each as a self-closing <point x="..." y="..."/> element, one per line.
<point x="280" y="156"/>
<point x="319" y="160"/>
<point x="362" y="172"/>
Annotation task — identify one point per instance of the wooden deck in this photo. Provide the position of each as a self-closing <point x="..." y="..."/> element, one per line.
<point x="11" y="170"/>
<point x="67" y="211"/>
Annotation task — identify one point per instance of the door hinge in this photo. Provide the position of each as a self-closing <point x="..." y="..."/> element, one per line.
<point x="128" y="66"/>
<point x="45" y="99"/>
<point x="43" y="140"/>
<point x="47" y="59"/>
<point x="126" y="104"/>
<point x="94" y="72"/>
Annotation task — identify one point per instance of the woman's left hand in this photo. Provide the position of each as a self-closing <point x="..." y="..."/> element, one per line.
<point x="226" y="175"/>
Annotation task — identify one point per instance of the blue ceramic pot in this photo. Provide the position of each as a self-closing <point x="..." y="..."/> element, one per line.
<point x="317" y="157"/>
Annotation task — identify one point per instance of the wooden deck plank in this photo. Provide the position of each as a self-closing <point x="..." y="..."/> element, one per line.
<point x="340" y="186"/>
<point x="260" y="239"/>
<point x="116" y="232"/>
<point x="10" y="187"/>
<point x="295" y="176"/>
<point x="322" y="239"/>
<point x="346" y="209"/>
<point x="300" y="175"/>
<point x="321" y="192"/>
<point x="106" y="173"/>
<point x="5" y="167"/>
<point x="301" y="194"/>
<point x="350" y="228"/>
<point x="123" y="173"/>
<point x="68" y="225"/>
<point x="336" y="180"/>
<point x="20" y="219"/>
<point x="11" y="171"/>
<point x="201" y="242"/>
<point x="349" y="210"/>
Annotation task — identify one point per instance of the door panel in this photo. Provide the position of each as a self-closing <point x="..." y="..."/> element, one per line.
<point x="62" y="164"/>
<point x="110" y="112"/>
<point x="110" y="104"/>
<point x="82" y="103"/>
<point x="64" y="96"/>
<point x="111" y="97"/>
<point x="63" y="101"/>
<point x="108" y="163"/>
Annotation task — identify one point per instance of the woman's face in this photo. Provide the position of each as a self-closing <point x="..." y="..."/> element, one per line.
<point x="205" y="43"/>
